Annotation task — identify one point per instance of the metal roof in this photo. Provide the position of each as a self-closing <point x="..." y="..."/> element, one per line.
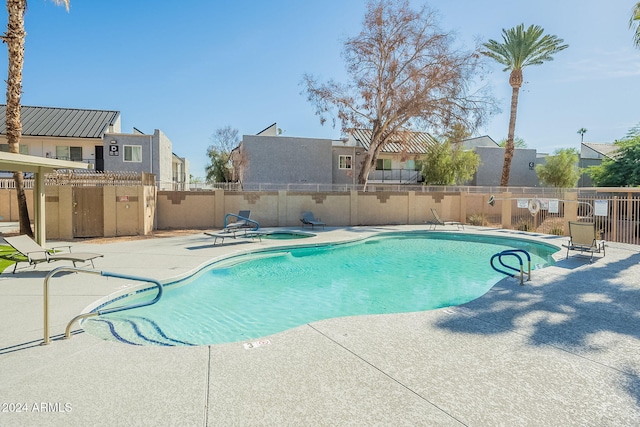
<point x="409" y="142"/>
<point x="607" y="150"/>
<point x="62" y="122"/>
<point x="479" y="141"/>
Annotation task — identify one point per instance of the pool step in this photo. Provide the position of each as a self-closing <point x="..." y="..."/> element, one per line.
<point x="133" y="330"/>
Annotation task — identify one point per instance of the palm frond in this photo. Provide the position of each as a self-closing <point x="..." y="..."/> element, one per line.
<point x="520" y="47"/>
<point x="634" y="21"/>
<point x="66" y="3"/>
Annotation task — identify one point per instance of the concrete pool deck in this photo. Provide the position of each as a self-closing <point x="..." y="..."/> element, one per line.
<point x="562" y="350"/>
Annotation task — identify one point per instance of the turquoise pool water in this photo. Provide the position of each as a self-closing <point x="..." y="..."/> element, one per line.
<point x="255" y="295"/>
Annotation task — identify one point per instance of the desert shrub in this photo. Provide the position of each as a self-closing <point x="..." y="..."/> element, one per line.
<point x="476" y="219"/>
<point x="557" y="230"/>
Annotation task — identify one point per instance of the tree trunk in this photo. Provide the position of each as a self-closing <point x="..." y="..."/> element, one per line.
<point x="515" y="80"/>
<point x="363" y="176"/>
<point x="375" y="146"/>
<point x="14" y="38"/>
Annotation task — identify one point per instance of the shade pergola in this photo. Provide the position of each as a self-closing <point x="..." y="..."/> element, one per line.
<point x="39" y="166"/>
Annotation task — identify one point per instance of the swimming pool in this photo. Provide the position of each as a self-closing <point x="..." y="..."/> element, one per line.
<point x="255" y="295"/>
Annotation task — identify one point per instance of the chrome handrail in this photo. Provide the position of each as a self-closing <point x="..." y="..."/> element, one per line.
<point x="53" y="272"/>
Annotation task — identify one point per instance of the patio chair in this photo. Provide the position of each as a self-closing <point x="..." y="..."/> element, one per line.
<point x="35" y="254"/>
<point x="241" y="220"/>
<point x="582" y="238"/>
<point x="309" y="219"/>
<point x="439" y="221"/>
<point x="231" y="233"/>
<point x="222" y="234"/>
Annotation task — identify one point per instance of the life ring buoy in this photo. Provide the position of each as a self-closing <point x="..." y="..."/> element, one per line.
<point x="533" y="206"/>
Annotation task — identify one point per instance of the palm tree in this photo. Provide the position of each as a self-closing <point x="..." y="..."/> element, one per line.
<point x="519" y="49"/>
<point x="634" y="21"/>
<point x="582" y="131"/>
<point x="14" y="38"/>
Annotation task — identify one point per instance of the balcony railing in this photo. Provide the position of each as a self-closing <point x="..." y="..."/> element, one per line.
<point x="395" y="176"/>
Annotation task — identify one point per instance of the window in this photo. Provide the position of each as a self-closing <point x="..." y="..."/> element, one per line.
<point x="383" y="164"/>
<point x="75" y="154"/>
<point x="344" y="162"/>
<point x="64" y="152"/>
<point x="24" y="149"/>
<point x="133" y="153"/>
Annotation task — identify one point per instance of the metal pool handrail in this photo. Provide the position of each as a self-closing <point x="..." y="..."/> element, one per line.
<point x="513" y="252"/>
<point x="67" y="334"/>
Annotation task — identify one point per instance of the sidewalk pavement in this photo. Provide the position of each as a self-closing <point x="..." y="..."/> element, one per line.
<point x="562" y="350"/>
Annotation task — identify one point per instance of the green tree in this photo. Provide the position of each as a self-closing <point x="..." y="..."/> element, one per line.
<point x="15" y="38"/>
<point x="195" y="179"/>
<point x="517" y="142"/>
<point x="404" y="74"/>
<point x="622" y="170"/>
<point x="219" y="169"/>
<point x="520" y="48"/>
<point x="560" y="169"/>
<point x="223" y="141"/>
<point x="445" y="165"/>
<point x="634" y="24"/>
<point x="633" y="132"/>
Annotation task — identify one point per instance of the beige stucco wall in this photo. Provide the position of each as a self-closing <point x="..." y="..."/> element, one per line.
<point x="138" y="210"/>
<point x="128" y="210"/>
<point x="9" y="204"/>
<point x="283" y="208"/>
<point x="175" y="210"/>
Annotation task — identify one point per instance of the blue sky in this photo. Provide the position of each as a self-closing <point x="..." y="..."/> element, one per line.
<point x="191" y="67"/>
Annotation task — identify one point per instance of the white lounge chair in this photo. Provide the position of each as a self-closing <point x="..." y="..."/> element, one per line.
<point x="35" y="254"/>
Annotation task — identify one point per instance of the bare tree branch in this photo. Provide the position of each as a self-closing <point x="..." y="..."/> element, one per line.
<point x="405" y="74"/>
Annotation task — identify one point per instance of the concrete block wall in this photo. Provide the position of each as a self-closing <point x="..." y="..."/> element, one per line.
<point x="137" y="210"/>
<point x="283" y="208"/>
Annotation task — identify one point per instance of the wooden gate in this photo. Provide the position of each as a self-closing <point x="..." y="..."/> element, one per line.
<point x="88" y="212"/>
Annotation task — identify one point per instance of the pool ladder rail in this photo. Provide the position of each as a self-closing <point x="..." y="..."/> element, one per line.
<point x="513" y="252"/>
<point x="67" y="335"/>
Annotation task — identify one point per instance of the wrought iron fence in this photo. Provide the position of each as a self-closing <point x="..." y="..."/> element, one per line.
<point x="86" y="178"/>
<point x="616" y="212"/>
